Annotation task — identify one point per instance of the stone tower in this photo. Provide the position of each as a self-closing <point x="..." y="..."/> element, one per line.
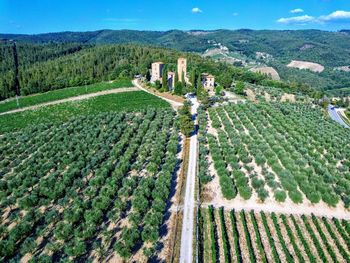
<point x="157" y="71"/>
<point x="182" y="68"/>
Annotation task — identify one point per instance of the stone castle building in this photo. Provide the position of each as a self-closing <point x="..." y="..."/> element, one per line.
<point x="157" y="71"/>
<point x="208" y="82"/>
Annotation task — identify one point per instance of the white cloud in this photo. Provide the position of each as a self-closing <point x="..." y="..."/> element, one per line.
<point x="296" y="11"/>
<point x="196" y="10"/>
<point x="337" y="16"/>
<point x="296" y="20"/>
<point x="235" y="14"/>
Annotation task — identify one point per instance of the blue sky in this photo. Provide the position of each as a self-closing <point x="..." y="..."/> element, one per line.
<point x="40" y="16"/>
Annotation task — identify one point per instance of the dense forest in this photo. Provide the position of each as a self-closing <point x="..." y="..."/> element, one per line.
<point x="44" y="67"/>
<point x="327" y="48"/>
<point x="330" y="49"/>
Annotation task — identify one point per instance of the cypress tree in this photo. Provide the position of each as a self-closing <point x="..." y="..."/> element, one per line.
<point x="165" y="79"/>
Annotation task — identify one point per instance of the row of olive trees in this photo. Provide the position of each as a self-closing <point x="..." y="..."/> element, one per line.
<point x="79" y="189"/>
<point x="287" y="156"/>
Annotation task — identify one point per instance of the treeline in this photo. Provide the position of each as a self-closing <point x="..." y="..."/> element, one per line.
<point x="54" y="66"/>
<point x="28" y="54"/>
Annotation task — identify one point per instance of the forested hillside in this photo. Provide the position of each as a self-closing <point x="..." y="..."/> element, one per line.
<point x="327" y="48"/>
<point x="330" y="49"/>
<point x="44" y="67"/>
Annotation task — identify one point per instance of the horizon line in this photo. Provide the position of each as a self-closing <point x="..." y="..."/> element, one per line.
<point x="174" y="29"/>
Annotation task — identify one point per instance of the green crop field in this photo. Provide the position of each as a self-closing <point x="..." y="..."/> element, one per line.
<point x="93" y="187"/>
<point x="279" y="151"/>
<point x="62" y="94"/>
<point x="232" y="236"/>
<point x="127" y="101"/>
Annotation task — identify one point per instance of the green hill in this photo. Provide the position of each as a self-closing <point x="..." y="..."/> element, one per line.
<point x="330" y="49"/>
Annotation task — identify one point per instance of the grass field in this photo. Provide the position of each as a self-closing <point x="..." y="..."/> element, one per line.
<point x="63" y="94"/>
<point x="128" y="101"/>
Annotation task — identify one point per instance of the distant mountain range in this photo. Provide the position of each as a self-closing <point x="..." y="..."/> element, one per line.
<point x="184" y="40"/>
<point x="326" y="48"/>
<point x="330" y="49"/>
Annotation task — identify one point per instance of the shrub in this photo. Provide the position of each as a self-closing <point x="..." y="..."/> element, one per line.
<point x="263" y="194"/>
<point x="280" y="196"/>
<point x="295" y="196"/>
<point x="257" y="183"/>
<point x="245" y="192"/>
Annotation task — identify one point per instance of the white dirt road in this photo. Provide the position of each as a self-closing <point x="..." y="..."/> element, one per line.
<point x="76" y="98"/>
<point x="187" y="234"/>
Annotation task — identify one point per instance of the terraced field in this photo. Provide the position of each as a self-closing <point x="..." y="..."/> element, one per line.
<point x="241" y="236"/>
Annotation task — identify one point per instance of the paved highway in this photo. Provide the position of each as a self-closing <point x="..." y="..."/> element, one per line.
<point x="335" y="116"/>
<point x="188" y="224"/>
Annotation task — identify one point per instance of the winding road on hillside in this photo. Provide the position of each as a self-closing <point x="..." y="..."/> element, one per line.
<point x="76" y="98"/>
<point x="335" y="115"/>
<point x="188" y="223"/>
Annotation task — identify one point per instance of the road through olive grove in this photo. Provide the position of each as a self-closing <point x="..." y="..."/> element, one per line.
<point x="186" y="252"/>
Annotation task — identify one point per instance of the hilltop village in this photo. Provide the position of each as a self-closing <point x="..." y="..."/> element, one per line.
<point x="159" y="76"/>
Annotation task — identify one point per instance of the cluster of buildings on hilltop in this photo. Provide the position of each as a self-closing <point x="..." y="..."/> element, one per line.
<point x="208" y="81"/>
